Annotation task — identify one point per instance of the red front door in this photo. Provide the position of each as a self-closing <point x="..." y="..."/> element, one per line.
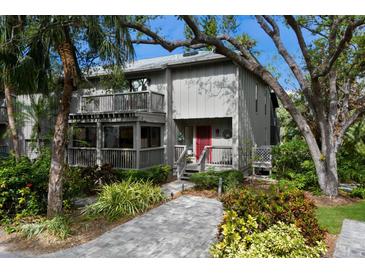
<point x="203" y="138"/>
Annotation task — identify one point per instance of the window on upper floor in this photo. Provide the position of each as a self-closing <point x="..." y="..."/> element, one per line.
<point x="139" y="84"/>
<point x="266" y="103"/>
<point x="256" y="99"/>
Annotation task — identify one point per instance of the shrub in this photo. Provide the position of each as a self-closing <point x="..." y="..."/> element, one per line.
<point x="156" y="174"/>
<point x="59" y="226"/>
<point x="274" y="205"/>
<point x="96" y="177"/>
<point x="125" y="199"/>
<point x="242" y="239"/>
<point x="23" y="188"/>
<point x="210" y="179"/>
<point x="358" y="192"/>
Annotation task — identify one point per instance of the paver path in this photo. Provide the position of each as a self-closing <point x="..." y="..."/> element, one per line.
<point x="351" y="243"/>
<point x="184" y="227"/>
<point x="175" y="187"/>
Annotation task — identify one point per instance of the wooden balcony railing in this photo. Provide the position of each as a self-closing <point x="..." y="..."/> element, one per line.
<point x="148" y="101"/>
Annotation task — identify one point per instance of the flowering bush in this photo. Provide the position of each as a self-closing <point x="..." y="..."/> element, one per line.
<point x="23" y="187"/>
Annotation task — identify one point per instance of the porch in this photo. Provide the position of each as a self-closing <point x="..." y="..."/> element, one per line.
<point x="123" y="145"/>
<point x="204" y="143"/>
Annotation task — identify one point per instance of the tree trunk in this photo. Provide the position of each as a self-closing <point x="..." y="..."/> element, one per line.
<point x="326" y="169"/>
<point x="11" y="120"/>
<point x="66" y="52"/>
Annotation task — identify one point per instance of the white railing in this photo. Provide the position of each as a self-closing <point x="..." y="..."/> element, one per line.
<point x="215" y="156"/>
<point x="119" y="157"/>
<point x="181" y="163"/>
<point x="178" y="150"/>
<point x="149" y="101"/>
<point x="82" y="156"/>
<point x="151" y="157"/>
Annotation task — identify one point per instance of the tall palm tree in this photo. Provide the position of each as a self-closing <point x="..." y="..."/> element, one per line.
<point x="10" y="50"/>
<point x="106" y="39"/>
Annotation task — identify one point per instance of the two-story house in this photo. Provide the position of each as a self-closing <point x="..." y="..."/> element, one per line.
<point x="191" y="111"/>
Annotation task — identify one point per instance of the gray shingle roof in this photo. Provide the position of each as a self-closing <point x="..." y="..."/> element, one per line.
<point x="162" y="62"/>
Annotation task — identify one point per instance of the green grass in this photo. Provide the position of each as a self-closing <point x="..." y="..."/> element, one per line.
<point x="331" y="218"/>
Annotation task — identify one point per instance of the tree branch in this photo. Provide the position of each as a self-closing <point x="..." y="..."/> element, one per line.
<point x="340" y="47"/>
<point x="296" y="28"/>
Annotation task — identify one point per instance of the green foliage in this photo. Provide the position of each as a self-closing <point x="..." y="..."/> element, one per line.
<point x="210" y="179"/>
<point x="59" y="226"/>
<point x="358" y="192"/>
<point x="156" y="174"/>
<point x="242" y="239"/>
<point x="274" y="205"/>
<point x="23" y="187"/>
<point x="127" y="198"/>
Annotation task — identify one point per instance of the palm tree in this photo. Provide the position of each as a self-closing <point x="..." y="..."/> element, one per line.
<point x="10" y="50"/>
<point x="105" y="39"/>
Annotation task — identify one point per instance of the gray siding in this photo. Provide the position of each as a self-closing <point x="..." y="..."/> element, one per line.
<point x="204" y="91"/>
<point x="253" y="126"/>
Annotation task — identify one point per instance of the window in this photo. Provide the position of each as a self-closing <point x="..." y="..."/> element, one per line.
<point x="150" y="137"/>
<point x="256" y="98"/>
<point x="140" y="84"/>
<point x="118" y="137"/>
<point x="84" y="137"/>
<point x="265" y="103"/>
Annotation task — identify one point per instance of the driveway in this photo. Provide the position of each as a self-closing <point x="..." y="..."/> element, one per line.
<point x="184" y="227"/>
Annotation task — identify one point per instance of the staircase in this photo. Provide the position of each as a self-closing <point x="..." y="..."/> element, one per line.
<point x="189" y="170"/>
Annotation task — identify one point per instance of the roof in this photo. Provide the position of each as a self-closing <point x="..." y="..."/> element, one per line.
<point x="163" y="62"/>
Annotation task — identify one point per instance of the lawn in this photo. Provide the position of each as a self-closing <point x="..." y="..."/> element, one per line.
<point x="331" y="217"/>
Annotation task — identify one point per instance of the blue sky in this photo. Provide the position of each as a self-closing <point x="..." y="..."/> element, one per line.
<point x="173" y="29"/>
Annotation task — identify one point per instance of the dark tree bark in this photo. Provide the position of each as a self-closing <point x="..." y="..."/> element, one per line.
<point x="11" y="120"/>
<point x="70" y="68"/>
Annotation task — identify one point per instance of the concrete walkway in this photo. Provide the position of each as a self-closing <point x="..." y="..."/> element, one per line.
<point x="351" y="243"/>
<point x="184" y="227"/>
<point x="175" y="187"/>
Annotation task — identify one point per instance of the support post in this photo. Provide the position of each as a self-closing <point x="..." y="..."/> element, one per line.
<point x="99" y="160"/>
<point x="138" y="143"/>
<point x="220" y="183"/>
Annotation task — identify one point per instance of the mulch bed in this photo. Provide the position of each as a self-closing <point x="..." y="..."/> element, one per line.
<point x="323" y="200"/>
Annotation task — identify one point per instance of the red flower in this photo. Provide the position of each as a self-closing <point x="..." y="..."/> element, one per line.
<point x="29" y="185"/>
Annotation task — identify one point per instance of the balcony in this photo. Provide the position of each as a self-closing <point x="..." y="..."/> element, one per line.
<point x="143" y="101"/>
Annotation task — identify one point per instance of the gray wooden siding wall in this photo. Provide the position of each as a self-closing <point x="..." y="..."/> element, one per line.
<point x="204" y="91"/>
<point x="253" y="126"/>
